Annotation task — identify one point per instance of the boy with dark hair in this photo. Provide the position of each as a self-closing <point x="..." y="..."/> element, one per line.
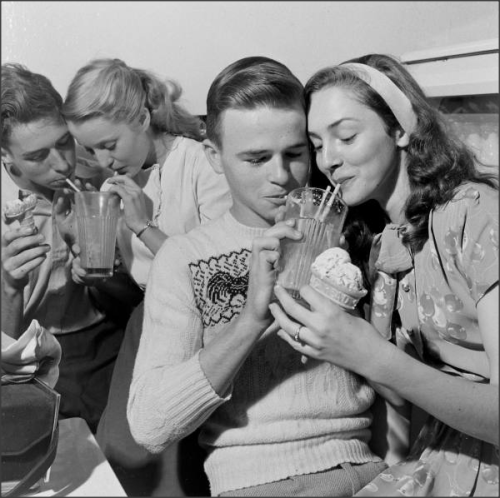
<point x="38" y="155"/>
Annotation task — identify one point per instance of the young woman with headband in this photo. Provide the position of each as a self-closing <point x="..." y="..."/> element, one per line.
<point x="134" y="124"/>
<point x="432" y="337"/>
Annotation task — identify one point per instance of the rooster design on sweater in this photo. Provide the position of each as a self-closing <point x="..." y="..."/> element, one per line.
<point x="220" y="286"/>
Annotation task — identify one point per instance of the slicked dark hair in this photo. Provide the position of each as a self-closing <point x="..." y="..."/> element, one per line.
<point x="250" y="83"/>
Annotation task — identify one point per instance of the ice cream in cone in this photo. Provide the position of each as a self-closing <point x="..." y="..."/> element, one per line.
<point x="334" y="276"/>
<point x="21" y="210"/>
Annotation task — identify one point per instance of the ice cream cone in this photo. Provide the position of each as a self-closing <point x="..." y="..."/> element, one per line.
<point x="334" y="276"/>
<point x="21" y="210"/>
<point x="343" y="296"/>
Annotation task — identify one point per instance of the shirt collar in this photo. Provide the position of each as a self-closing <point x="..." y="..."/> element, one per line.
<point x="389" y="254"/>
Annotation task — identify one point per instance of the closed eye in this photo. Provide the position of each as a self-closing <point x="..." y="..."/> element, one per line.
<point x="107" y="146"/>
<point x="39" y="156"/>
<point x="293" y="155"/>
<point x="348" y="140"/>
<point x="67" y="140"/>
<point x="257" y="160"/>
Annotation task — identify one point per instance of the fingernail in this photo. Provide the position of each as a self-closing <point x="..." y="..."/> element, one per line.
<point x="290" y="222"/>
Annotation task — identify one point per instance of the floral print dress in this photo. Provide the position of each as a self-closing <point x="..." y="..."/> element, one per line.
<point x="435" y="297"/>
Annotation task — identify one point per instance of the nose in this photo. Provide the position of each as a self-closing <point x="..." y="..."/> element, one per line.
<point x="279" y="171"/>
<point x="59" y="162"/>
<point x="104" y="158"/>
<point x="330" y="157"/>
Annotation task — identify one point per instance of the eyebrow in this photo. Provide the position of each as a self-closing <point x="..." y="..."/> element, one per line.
<point x="257" y="152"/>
<point x="333" y="125"/>
<point x="34" y="152"/>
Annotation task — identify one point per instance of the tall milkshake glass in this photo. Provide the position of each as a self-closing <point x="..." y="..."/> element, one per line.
<point x="319" y="214"/>
<point x="97" y="216"/>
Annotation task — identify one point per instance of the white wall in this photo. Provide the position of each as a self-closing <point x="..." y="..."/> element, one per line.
<point x="193" y="41"/>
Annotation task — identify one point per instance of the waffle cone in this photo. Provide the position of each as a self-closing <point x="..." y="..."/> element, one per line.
<point x="343" y="296"/>
<point x="27" y="219"/>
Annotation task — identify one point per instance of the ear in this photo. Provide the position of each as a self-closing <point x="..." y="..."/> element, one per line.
<point x="213" y="155"/>
<point x="8" y="163"/>
<point x="145" y="119"/>
<point x="6" y="157"/>
<point x="402" y="138"/>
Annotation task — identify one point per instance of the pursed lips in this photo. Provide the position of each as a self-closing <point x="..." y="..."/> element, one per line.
<point x="60" y="181"/>
<point x="340" y="180"/>
<point x="277" y="199"/>
<point x="119" y="171"/>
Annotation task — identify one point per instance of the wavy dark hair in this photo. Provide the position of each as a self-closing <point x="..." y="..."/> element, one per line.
<point x="111" y="89"/>
<point x="26" y="97"/>
<point x="437" y="162"/>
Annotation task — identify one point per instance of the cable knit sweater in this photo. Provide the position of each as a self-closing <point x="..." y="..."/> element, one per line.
<point x="281" y="418"/>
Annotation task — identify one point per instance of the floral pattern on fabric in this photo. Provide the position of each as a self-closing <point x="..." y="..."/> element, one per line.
<point x="436" y="298"/>
<point x="453" y="465"/>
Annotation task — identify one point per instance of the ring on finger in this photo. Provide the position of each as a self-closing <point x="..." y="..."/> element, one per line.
<point x="296" y="337"/>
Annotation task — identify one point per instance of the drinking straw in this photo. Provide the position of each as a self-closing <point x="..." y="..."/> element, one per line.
<point x="336" y="190"/>
<point x="309" y="200"/>
<point x="330" y="202"/>
<point x="317" y="216"/>
<point x="72" y="185"/>
<point x="302" y="207"/>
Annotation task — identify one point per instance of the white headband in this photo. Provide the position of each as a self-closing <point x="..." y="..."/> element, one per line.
<point x="397" y="101"/>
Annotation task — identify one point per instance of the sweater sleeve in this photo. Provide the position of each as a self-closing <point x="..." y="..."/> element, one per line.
<point x="170" y="395"/>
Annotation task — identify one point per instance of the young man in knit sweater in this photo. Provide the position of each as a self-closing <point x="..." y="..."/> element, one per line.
<point x="209" y="355"/>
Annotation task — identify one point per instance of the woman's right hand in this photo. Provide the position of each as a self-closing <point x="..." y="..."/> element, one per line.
<point x="134" y="201"/>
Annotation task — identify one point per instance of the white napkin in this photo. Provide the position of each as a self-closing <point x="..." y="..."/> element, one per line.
<point x="36" y="353"/>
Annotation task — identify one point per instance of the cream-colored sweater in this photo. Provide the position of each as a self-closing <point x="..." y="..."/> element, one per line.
<point x="282" y="418"/>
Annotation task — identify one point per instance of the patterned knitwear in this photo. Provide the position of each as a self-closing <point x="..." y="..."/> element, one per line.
<point x="281" y="418"/>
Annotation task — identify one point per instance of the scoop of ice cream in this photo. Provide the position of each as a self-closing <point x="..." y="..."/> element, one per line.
<point x="330" y="259"/>
<point x="334" y="276"/>
<point x="21" y="209"/>
<point x="347" y="275"/>
<point x="12" y="209"/>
